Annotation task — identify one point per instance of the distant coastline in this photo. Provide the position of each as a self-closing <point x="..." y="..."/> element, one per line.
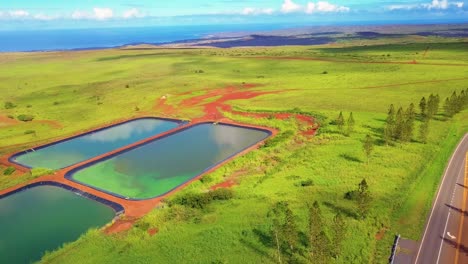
<point x="212" y="36"/>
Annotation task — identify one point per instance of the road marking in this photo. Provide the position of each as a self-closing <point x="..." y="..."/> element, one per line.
<point x="462" y="216"/>
<point x="437" y="197"/>
<point x="442" y="240"/>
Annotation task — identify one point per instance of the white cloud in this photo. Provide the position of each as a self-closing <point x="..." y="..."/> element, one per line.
<point x="289" y="7"/>
<point x="97" y="14"/>
<point x="434" y="5"/>
<point x="257" y="11"/>
<point x="103" y="13"/>
<point x="324" y="7"/>
<point x="132" y="13"/>
<point x="18" y="13"/>
<point x="312" y="7"/>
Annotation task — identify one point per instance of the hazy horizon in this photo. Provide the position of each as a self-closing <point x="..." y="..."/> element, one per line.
<point x="28" y="14"/>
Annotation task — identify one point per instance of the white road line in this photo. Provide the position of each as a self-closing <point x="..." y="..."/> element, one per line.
<point x="443" y="235"/>
<point x="437" y="197"/>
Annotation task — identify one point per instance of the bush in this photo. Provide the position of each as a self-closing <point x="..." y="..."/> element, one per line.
<point x="9" y="171"/>
<point x="29" y="132"/>
<point x="201" y="200"/>
<point x="11" y="117"/>
<point x="351" y="195"/>
<point x="25" y="118"/>
<point x="9" y="105"/>
<point x="307" y="183"/>
<point x="221" y="194"/>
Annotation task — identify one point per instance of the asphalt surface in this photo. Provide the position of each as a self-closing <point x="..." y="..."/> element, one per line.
<point x="445" y="238"/>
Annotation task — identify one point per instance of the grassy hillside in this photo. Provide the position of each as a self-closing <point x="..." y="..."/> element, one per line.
<point x="70" y="91"/>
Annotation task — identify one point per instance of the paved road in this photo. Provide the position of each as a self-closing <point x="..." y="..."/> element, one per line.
<point x="442" y="241"/>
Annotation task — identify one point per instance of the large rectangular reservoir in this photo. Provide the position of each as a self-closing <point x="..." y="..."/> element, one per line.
<point x="157" y="167"/>
<point x="43" y="217"/>
<point x="74" y="150"/>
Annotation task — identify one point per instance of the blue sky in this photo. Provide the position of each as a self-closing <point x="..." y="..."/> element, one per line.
<point x="103" y="13"/>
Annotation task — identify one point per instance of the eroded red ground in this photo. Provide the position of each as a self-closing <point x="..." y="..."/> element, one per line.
<point x="214" y="103"/>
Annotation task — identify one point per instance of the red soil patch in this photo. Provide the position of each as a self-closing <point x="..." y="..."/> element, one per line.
<point x="153" y="231"/>
<point x="213" y="110"/>
<point x="230" y="181"/>
<point x="119" y="226"/>
<point x="380" y="234"/>
<point x="8" y="121"/>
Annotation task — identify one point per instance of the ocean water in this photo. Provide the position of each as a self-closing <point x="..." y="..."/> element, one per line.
<point x="70" y="39"/>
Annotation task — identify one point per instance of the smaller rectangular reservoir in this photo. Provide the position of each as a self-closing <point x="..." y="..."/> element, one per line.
<point x="44" y="216"/>
<point x="159" y="166"/>
<point x="74" y="150"/>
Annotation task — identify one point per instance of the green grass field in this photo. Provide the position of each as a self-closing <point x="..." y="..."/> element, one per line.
<point x="82" y="90"/>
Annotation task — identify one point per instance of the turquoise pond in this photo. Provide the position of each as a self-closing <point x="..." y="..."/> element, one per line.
<point x="159" y="166"/>
<point x="66" y="153"/>
<point x="42" y="218"/>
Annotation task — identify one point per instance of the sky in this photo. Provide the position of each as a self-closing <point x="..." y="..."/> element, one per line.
<point x="34" y="14"/>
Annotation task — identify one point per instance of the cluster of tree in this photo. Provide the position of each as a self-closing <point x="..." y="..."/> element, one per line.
<point x="456" y="103"/>
<point x="321" y="246"/>
<point x="400" y="124"/>
<point x="345" y="127"/>
<point x="428" y="109"/>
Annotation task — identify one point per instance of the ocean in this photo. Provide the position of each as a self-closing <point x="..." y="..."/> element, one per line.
<point x="72" y="39"/>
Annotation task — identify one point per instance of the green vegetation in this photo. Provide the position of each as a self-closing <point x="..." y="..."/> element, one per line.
<point x="25" y="118"/>
<point x="9" y="105"/>
<point x="37" y="172"/>
<point x="401" y="178"/>
<point x="9" y="171"/>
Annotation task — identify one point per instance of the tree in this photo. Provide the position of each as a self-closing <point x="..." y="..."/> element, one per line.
<point x="351" y="123"/>
<point x="408" y="123"/>
<point x="339" y="233"/>
<point x="340" y="122"/>
<point x="454" y="104"/>
<point x="422" y="106"/>
<point x="368" y="146"/>
<point x="399" y="124"/>
<point x="424" y="131"/>
<point x="319" y="242"/>
<point x="448" y="107"/>
<point x="432" y="106"/>
<point x="283" y="229"/>
<point x="363" y="198"/>
<point x="389" y="125"/>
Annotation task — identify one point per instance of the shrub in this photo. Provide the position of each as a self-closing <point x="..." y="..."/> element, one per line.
<point x="9" y="105"/>
<point x="9" y="171"/>
<point x="307" y="183"/>
<point x="11" y="117"/>
<point x="201" y="200"/>
<point x="29" y="132"/>
<point x="221" y="194"/>
<point x="25" y="118"/>
<point x="351" y="195"/>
